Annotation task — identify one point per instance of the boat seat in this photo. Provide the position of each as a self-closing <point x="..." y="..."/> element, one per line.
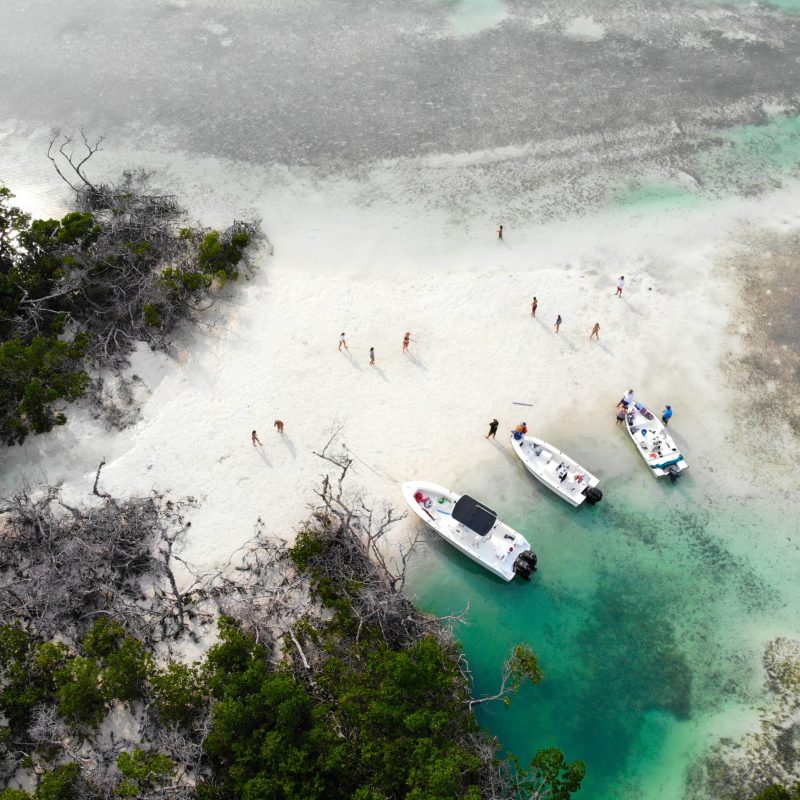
<point x="545" y="456"/>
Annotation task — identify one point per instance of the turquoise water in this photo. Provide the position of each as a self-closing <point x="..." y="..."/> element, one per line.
<point x="746" y="159"/>
<point x="648" y="614"/>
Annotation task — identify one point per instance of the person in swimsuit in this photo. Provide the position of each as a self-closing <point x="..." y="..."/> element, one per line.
<point x="558" y="323"/>
<point x="534" y="306"/>
<point x="372" y="356"/>
<point x="500" y="232"/>
<point x="406" y="340"/>
<point x="255" y="440"/>
<point x="279" y="425"/>
<point x="595" y="331"/>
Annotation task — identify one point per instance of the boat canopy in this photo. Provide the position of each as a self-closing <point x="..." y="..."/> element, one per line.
<point x="474" y="515"/>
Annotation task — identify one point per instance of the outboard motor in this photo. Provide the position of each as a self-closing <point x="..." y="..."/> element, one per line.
<point x="674" y="472"/>
<point x="525" y="564"/>
<point x="593" y="495"/>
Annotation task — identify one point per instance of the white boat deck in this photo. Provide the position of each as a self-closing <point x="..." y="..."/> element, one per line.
<point x="654" y="444"/>
<point x="556" y="470"/>
<point x="497" y="550"/>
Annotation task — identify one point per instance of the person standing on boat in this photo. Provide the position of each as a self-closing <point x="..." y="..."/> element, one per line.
<point x="620" y="285"/>
<point x="493" y="425"/>
<point x="667" y="415"/>
<point x="520" y="431"/>
<point x="534" y="306"/>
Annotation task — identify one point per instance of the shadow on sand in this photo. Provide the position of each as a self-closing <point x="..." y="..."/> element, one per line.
<point x="352" y="360"/>
<point x="565" y="339"/>
<point x="264" y="456"/>
<point x="380" y="372"/>
<point x="416" y="362"/>
<point x="289" y="445"/>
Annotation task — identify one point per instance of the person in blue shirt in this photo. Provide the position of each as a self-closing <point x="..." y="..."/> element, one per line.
<point x="666" y="416"/>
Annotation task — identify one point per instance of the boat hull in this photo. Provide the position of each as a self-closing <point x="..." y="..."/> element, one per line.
<point x="543" y="461"/>
<point x="656" y="447"/>
<point x="496" y="551"/>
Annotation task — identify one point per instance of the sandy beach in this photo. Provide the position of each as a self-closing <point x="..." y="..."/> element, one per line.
<point x="374" y="269"/>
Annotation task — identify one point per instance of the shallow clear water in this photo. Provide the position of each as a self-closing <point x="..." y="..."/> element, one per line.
<point x="647" y="614"/>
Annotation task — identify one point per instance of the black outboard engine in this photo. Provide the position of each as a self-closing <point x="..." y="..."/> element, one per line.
<point x="525" y="564"/>
<point x="674" y="472"/>
<point x="593" y="495"/>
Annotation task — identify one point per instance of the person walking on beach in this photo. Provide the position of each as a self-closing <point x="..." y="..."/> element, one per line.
<point x="620" y="285"/>
<point x="342" y="341"/>
<point x="667" y="415"/>
<point x="493" y="425"/>
<point x="406" y="340"/>
<point x="534" y="306"/>
<point x="558" y="322"/>
<point x="595" y="334"/>
<point x="279" y="425"/>
<point x="500" y="232"/>
<point x="255" y="440"/>
<point x="372" y="356"/>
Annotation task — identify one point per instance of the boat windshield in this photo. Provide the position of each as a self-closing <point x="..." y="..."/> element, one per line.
<point x="474" y="515"/>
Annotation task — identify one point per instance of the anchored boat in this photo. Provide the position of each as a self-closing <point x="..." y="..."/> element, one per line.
<point x="655" y="445"/>
<point x="472" y="528"/>
<point x="556" y="470"/>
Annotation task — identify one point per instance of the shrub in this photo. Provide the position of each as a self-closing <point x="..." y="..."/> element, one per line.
<point x="142" y="771"/>
<point x="179" y="693"/>
<point x="35" y="376"/>
<point x="80" y="692"/>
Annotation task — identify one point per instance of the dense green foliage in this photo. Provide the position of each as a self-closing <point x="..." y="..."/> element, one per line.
<point x="380" y="723"/>
<point x="85" y="288"/>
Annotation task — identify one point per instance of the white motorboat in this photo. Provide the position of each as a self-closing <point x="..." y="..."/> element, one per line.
<point x="655" y="445"/>
<point x="472" y="528"/>
<point x="556" y="470"/>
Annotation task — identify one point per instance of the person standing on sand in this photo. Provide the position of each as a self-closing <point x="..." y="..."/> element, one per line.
<point x="620" y="416"/>
<point x="558" y="322"/>
<point x="534" y="306"/>
<point x="406" y="340"/>
<point x="620" y="285"/>
<point x="500" y="232"/>
<point x="372" y="356"/>
<point x="342" y="341"/>
<point x="255" y="440"/>
<point x="493" y="425"/>
<point x="595" y="331"/>
<point x="667" y="415"/>
<point x="279" y="425"/>
<point x="626" y="400"/>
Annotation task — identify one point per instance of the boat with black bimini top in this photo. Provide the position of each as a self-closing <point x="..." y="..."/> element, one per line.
<point x="472" y="528"/>
<point x="654" y="444"/>
<point x="556" y="470"/>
